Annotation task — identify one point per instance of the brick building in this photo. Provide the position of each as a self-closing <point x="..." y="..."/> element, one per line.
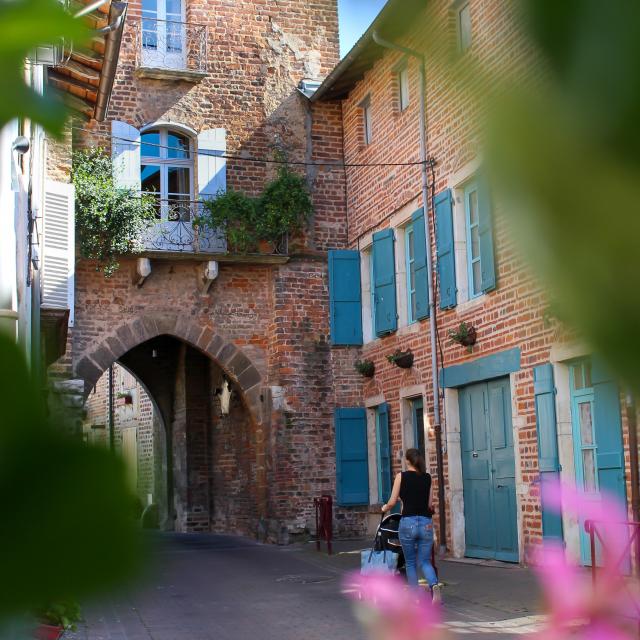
<point x="524" y="403"/>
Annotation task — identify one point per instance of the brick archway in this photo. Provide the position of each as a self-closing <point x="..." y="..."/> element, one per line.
<point x="92" y="363"/>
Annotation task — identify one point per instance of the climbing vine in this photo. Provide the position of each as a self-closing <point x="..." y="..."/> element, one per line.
<point x="110" y="221"/>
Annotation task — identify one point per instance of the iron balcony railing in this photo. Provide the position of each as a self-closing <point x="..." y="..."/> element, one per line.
<point x="178" y="230"/>
<point x="169" y="45"/>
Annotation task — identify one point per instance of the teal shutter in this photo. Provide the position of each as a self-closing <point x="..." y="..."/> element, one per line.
<point x="420" y="265"/>
<point x="445" y="249"/>
<point x="546" y="427"/>
<point x="384" y="283"/>
<point x="345" y="305"/>
<point x="352" y="459"/>
<point x="384" y="453"/>
<point x="608" y="431"/>
<point x="485" y="230"/>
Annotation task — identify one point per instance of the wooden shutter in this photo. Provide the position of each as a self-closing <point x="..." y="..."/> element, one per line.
<point x="125" y="155"/>
<point x="384" y="453"/>
<point x="345" y="305"/>
<point x="384" y="283"/>
<point x="546" y="427"/>
<point x="212" y="165"/>
<point x="445" y="249"/>
<point x="485" y="230"/>
<point x="420" y="265"/>
<point x="608" y="432"/>
<point x="58" y="247"/>
<point x="352" y="459"/>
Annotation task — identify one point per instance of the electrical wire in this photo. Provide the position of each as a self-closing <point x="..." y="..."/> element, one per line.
<point x="215" y="154"/>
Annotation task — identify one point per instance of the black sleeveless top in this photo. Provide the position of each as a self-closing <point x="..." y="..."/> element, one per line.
<point x="414" y="493"/>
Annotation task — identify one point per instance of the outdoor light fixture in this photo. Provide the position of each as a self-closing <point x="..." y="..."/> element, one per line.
<point x="20" y="145"/>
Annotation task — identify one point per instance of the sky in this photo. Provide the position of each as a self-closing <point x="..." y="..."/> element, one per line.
<point x="355" y="16"/>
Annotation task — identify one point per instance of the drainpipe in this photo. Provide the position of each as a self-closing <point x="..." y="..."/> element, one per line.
<point x="633" y="463"/>
<point x="110" y="411"/>
<point x="432" y="303"/>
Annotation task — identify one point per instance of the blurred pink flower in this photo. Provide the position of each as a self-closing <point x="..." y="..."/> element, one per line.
<point x="392" y="611"/>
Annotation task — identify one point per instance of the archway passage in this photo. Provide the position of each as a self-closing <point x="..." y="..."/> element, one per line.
<point x="206" y="443"/>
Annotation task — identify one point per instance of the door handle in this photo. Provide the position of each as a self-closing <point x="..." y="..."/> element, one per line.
<point x="474" y="454"/>
<point x="501" y="486"/>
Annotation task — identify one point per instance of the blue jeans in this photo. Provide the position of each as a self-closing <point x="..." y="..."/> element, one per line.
<point x="416" y="537"/>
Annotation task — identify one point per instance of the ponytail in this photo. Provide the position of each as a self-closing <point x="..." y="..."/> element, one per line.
<point x="415" y="459"/>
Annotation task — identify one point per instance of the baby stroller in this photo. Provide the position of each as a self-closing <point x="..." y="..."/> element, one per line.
<point x="387" y="538"/>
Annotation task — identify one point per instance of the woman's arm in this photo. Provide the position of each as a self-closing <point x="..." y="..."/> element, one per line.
<point x="395" y="494"/>
<point x="429" y="501"/>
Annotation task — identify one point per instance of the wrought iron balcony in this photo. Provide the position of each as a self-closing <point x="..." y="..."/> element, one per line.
<point x="177" y="231"/>
<point x="164" y="45"/>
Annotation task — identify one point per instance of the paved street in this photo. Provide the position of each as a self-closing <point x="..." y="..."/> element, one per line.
<point x="206" y="587"/>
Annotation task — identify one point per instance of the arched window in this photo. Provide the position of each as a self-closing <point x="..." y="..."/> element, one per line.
<point x="166" y="171"/>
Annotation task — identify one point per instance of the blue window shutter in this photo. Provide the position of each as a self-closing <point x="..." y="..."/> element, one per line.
<point x="546" y="427"/>
<point x="384" y="283"/>
<point x="352" y="458"/>
<point x="608" y="431"/>
<point x="345" y="305"/>
<point x="485" y="230"/>
<point x="420" y="269"/>
<point x="384" y="453"/>
<point x="445" y="249"/>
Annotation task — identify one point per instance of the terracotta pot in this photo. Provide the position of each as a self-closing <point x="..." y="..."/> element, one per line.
<point x="48" y="632"/>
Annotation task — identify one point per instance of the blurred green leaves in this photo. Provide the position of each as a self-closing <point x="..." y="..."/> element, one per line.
<point x="565" y="152"/>
<point x="66" y="529"/>
<point x="24" y="24"/>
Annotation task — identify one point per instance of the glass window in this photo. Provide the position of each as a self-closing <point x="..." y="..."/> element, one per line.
<point x="149" y="24"/>
<point x="150" y="147"/>
<point x="473" y="241"/>
<point x="366" y="116"/>
<point x="411" y="273"/>
<point x="464" y="28"/>
<point x="403" y="88"/>
<point x="586" y="423"/>
<point x="589" y="469"/>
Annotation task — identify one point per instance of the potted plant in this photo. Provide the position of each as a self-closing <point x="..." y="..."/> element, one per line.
<point x="56" y="618"/>
<point x="365" y="368"/>
<point x="402" y="359"/>
<point x="124" y="398"/>
<point x="465" y="335"/>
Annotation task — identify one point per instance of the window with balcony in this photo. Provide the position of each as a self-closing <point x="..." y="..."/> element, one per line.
<point x="167" y="41"/>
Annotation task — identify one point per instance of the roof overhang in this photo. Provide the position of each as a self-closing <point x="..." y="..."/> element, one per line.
<point x="392" y="22"/>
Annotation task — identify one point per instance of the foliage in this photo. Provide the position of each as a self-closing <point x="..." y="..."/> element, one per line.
<point x="465" y="335"/>
<point x="69" y="533"/>
<point x="64" y="613"/>
<point x="110" y="221"/>
<point x="283" y="207"/>
<point x="365" y="367"/>
<point x="403" y="359"/>
<point x="24" y="24"/>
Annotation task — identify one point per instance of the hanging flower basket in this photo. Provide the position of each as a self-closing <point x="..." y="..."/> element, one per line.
<point x="464" y="335"/>
<point x="402" y="359"/>
<point x="365" y="368"/>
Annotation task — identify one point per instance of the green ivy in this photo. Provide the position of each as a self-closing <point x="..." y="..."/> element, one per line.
<point x="110" y="221"/>
<point x="283" y="207"/>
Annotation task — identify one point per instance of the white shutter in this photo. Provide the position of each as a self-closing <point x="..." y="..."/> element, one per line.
<point x="212" y="168"/>
<point x="125" y="153"/>
<point x="58" y="247"/>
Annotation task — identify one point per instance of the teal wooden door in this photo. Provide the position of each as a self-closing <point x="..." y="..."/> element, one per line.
<point x="488" y="471"/>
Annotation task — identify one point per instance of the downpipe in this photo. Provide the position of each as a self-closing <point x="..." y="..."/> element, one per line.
<point x="437" y="427"/>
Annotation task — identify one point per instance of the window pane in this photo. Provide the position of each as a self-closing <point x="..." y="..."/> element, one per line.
<point x="150" y="144"/>
<point x="586" y="424"/>
<point x="410" y="244"/>
<point x="367" y="124"/>
<point x="475" y="242"/>
<point x="174" y="10"/>
<point x="178" y="145"/>
<point x="464" y="27"/>
<point x="403" y="86"/>
<point x="174" y="35"/>
<point x="577" y="377"/>
<point x="473" y="207"/>
<point x="150" y="178"/>
<point x="476" y="277"/>
<point x="150" y="25"/>
<point x="587" y="374"/>
<point x="179" y="181"/>
<point x="589" y="467"/>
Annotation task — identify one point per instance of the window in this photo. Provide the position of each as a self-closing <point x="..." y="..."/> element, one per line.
<point x="365" y="105"/>
<point x="403" y="88"/>
<point x="464" y="28"/>
<point x="474" y="266"/>
<point x="417" y="419"/>
<point x="166" y="172"/>
<point x="163" y="34"/>
<point x="410" y="258"/>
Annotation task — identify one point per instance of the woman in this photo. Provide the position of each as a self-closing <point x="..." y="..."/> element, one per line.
<point x="413" y="487"/>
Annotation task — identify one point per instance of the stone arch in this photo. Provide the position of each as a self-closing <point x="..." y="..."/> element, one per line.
<point x="92" y="363"/>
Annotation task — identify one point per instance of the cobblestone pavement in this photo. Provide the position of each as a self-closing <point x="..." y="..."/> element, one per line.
<point x="206" y="587"/>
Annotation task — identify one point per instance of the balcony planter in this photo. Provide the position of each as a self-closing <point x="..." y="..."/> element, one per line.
<point x="365" y="368"/>
<point x="48" y="632"/>
<point x="402" y="359"/>
<point x="464" y="335"/>
<point x="123" y="399"/>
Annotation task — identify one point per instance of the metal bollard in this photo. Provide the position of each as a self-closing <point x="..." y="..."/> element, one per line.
<point x="324" y="521"/>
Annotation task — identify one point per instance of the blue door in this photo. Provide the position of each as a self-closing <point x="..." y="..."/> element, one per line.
<point x="488" y="471"/>
<point x="597" y="438"/>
